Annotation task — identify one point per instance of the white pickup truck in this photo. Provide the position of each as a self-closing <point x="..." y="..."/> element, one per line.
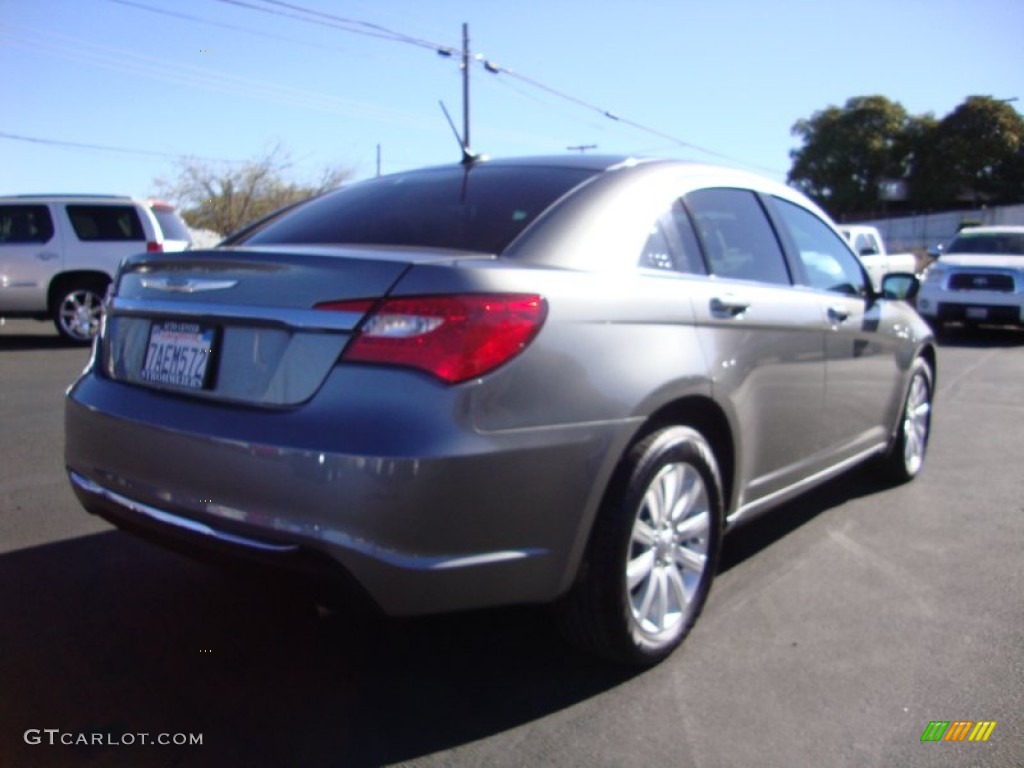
<point x="868" y="245"/>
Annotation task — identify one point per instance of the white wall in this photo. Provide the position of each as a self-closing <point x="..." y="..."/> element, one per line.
<point x="910" y="233"/>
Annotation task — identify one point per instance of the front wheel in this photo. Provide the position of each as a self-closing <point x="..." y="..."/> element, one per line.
<point x="905" y="459"/>
<point x="653" y="552"/>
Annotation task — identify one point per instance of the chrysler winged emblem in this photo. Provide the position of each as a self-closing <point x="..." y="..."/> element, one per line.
<point x="186" y="284"/>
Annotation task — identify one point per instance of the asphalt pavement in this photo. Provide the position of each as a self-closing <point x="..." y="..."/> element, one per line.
<point x="839" y="627"/>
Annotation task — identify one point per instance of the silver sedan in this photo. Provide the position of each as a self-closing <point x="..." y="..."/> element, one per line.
<point x="554" y="380"/>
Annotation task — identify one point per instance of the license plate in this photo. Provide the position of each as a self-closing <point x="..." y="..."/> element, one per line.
<point x="977" y="313"/>
<point x="178" y="355"/>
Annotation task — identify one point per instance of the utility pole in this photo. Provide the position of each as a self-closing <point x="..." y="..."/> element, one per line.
<point x="465" y="85"/>
<point x="378" y="159"/>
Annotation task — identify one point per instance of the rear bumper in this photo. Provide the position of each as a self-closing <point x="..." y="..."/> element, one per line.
<point x="461" y="521"/>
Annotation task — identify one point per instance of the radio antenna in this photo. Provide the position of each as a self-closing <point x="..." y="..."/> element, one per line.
<point x="468" y="155"/>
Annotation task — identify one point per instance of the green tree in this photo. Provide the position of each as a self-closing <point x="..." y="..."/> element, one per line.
<point x="931" y="186"/>
<point x="848" y="151"/>
<point x="975" y="154"/>
<point x="223" y="197"/>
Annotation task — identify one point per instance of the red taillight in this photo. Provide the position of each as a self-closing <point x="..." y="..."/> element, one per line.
<point x="154" y="247"/>
<point x="453" y="337"/>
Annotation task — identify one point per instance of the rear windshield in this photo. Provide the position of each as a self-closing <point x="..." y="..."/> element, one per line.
<point x="478" y="208"/>
<point x="1007" y="243"/>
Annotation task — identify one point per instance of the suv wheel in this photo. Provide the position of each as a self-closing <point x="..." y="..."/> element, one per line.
<point x="653" y="552"/>
<point x="78" y="309"/>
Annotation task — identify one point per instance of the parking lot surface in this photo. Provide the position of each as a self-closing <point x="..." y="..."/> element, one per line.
<point x="839" y="628"/>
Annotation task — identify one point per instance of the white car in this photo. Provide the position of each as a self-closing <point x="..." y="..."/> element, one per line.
<point x="978" y="279"/>
<point x="58" y="253"/>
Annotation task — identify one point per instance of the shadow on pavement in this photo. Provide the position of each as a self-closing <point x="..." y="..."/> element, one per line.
<point x="980" y="338"/>
<point x="748" y="539"/>
<point x="13" y="340"/>
<point x="106" y="634"/>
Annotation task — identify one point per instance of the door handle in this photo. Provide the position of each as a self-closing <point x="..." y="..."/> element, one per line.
<point x="47" y="255"/>
<point x="837" y="314"/>
<point x="730" y="306"/>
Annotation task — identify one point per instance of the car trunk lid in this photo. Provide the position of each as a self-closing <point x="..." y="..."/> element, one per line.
<point x="239" y="324"/>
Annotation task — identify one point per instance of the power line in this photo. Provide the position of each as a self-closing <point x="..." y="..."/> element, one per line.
<point x="496" y="70"/>
<point x="370" y="29"/>
<point x="68" y="47"/>
<point x="377" y="30"/>
<point x="339" y="22"/>
<point x="399" y="36"/>
<point x="107" y="148"/>
<point x="224" y="25"/>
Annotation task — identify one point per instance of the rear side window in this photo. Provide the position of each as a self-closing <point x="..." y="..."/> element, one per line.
<point x="170" y="223"/>
<point x="738" y="239"/>
<point x="672" y="244"/>
<point x="25" y="224"/>
<point x="106" y="222"/>
<point x="474" y="208"/>
<point x="866" y="245"/>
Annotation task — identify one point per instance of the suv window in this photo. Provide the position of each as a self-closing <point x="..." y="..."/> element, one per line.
<point x="988" y="243"/>
<point x="170" y="223"/>
<point x="475" y="208"/>
<point x="827" y="261"/>
<point x="672" y="244"/>
<point x="738" y="239"/>
<point x="25" y="224"/>
<point x="106" y="222"/>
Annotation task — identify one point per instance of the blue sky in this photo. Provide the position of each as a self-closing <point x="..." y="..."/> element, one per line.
<point x="719" y="80"/>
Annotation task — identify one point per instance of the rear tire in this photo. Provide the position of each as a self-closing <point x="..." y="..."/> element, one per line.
<point x="905" y="458"/>
<point x="78" y="309"/>
<point x="652" y="554"/>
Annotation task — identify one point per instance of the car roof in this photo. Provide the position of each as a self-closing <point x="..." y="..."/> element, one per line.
<point x="72" y="197"/>
<point x="66" y="197"/>
<point x="592" y="162"/>
<point x="608" y="162"/>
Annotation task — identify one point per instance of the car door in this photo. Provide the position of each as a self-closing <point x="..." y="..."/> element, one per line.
<point x="764" y="342"/>
<point x="30" y="255"/>
<point x="860" y="345"/>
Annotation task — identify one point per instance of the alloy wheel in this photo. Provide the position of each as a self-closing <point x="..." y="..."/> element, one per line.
<point x="668" y="551"/>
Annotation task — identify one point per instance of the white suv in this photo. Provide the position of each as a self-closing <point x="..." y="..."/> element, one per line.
<point x="58" y="253"/>
<point x="978" y="279"/>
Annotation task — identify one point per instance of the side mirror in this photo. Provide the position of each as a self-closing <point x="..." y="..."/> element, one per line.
<point x="869" y="251"/>
<point x="900" y="286"/>
<point x="935" y="251"/>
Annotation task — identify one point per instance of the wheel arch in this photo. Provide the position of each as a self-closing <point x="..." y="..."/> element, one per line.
<point x="60" y="281"/>
<point x="930" y="356"/>
<point x="707" y="417"/>
<point x="699" y="412"/>
<point x="928" y="353"/>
